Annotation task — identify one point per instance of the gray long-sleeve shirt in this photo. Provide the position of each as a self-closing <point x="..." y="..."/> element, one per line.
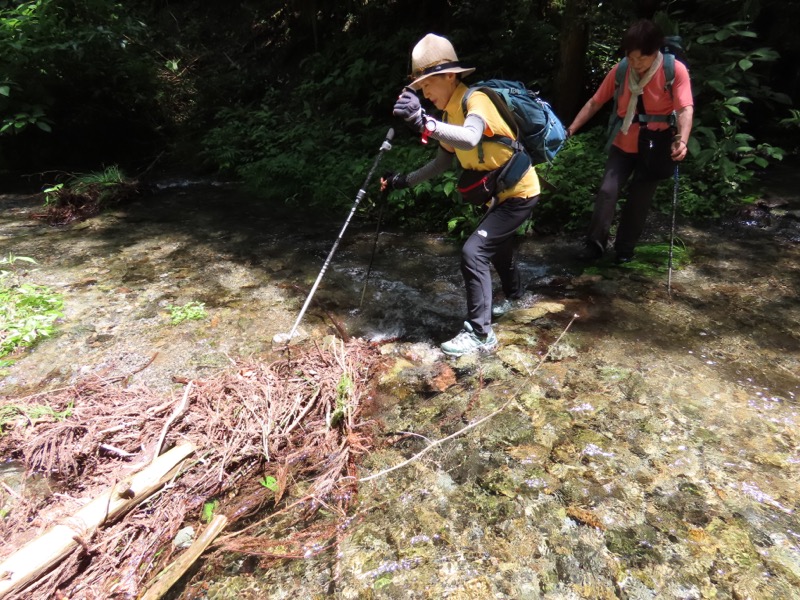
<point x="462" y="137"/>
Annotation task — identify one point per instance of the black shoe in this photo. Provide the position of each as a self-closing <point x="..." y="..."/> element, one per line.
<point x="592" y="250"/>
<point x="623" y="257"/>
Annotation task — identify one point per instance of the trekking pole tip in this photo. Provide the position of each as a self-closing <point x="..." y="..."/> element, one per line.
<point x="281" y="338"/>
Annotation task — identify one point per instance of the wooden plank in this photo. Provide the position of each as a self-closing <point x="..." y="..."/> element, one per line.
<point x="40" y="555"/>
<point x="167" y="578"/>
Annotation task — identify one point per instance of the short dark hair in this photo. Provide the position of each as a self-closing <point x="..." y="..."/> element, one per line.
<point x="644" y="36"/>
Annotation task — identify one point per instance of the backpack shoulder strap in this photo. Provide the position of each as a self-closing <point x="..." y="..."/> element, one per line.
<point x="669" y="70"/>
<point x="622" y="70"/>
<point x="669" y="75"/>
<point x="614" y="122"/>
<point x="505" y="113"/>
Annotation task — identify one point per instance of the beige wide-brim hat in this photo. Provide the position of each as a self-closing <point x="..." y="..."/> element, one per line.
<point x="433" y="55"/>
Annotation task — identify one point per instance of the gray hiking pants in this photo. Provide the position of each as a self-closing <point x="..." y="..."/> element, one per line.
<point x="620" y="166"/>
<point x="492" y="245"/>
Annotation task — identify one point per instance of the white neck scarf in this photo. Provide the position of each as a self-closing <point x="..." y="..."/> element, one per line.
<point x="636" y="85"/>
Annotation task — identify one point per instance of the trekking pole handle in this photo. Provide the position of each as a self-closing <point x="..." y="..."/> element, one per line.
<point x="387" y="142"/>
<point x="385" y="146"/>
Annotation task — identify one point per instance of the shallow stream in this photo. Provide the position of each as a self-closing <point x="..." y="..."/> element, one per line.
<point x="654" y="454"/>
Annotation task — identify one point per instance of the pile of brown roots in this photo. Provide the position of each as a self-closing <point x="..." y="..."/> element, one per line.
<point x="271" y="438"/>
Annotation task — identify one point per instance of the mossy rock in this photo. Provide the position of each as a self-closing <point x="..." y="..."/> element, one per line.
<point x="537" y="311"/>
<point x="518" y="358"/>
<point x="637" y="545"/>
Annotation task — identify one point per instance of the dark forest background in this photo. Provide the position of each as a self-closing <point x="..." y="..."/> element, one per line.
<point x="294" y="98"/>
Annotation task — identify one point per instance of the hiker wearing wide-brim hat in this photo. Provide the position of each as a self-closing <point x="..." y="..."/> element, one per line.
<point x="437" y="73"/>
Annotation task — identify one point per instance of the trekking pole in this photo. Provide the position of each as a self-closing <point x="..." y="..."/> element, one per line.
<point x="672" y="230"/>
<point x="384" y="194"/>
<point x="386" y="145"/>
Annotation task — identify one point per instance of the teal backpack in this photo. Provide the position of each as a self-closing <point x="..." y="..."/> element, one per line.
<point x="672" y="51"/>
<point x="539" y="131"/>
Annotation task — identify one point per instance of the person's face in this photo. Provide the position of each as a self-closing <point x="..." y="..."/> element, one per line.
<point x="439" y="88"/>
<point x="641" y="62"/>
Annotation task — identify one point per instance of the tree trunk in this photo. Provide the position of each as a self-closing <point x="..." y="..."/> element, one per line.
<point x="570" y="77"/>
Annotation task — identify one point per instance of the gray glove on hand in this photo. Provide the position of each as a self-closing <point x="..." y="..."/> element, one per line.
<point x="408" y="108"/>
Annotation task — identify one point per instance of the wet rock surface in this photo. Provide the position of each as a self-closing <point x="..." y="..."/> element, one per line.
<point x="653" y="451"/>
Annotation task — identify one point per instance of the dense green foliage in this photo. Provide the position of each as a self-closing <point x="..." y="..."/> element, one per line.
<point x="728" y="84"/>
<point x="570" y="183"/>
<point x="28" y="312"/>
<point x="294" y="99"/>
<point x="75" y="81"/>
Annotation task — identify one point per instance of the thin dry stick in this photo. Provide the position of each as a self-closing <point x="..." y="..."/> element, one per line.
<point x="305" y="411"/>
<point x="480" y="421"/>
<point x="175" y="414"/>
<point x="10" y="490"/>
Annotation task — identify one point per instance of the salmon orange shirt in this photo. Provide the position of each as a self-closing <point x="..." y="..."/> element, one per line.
<point x="656" y="98"/>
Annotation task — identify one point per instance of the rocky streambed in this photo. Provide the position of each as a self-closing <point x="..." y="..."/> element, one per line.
<point x="652" y="451"/>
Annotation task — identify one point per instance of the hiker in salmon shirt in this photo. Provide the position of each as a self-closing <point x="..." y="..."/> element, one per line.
<point x="649" y="132"/>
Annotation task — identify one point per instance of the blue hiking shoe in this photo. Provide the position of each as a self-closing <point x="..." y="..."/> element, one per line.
<point x="498" y="310"/>
<point x="468" y="341"/>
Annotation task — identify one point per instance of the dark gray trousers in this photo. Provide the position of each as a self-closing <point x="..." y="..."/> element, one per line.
<point x="492" y="244"/>
<point x="620" y="166"/>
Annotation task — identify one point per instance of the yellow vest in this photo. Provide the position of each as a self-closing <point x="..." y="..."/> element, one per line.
<point x="494" y="155"/>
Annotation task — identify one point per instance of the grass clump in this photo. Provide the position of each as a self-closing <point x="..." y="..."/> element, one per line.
<point x="653" y="259"/>
<point x="31" y="413"/>
<point x="650" y="260"/>
<point x="85" y="195"/>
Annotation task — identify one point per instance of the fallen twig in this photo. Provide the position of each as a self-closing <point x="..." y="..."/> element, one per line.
<point x="175" y="414"/>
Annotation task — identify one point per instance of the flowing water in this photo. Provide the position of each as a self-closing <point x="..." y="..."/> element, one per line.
<point x="655" y="453"/>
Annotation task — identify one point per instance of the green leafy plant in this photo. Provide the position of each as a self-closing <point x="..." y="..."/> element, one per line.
<point x="571" y="182"/>
<point x="191" y="311"/>
<point x="269" y="482"/>
<point x="20" y="120"/>
<point x="209" y="508"/>
<point x="725" y="152"/>
<point x="51" y="194"/>
<point x="793" y="120"/>
<point x="28" y="312"/>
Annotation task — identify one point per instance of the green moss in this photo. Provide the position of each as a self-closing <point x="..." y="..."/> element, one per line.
<point x="649" y="260"/>
<point x="653" y="259"/>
